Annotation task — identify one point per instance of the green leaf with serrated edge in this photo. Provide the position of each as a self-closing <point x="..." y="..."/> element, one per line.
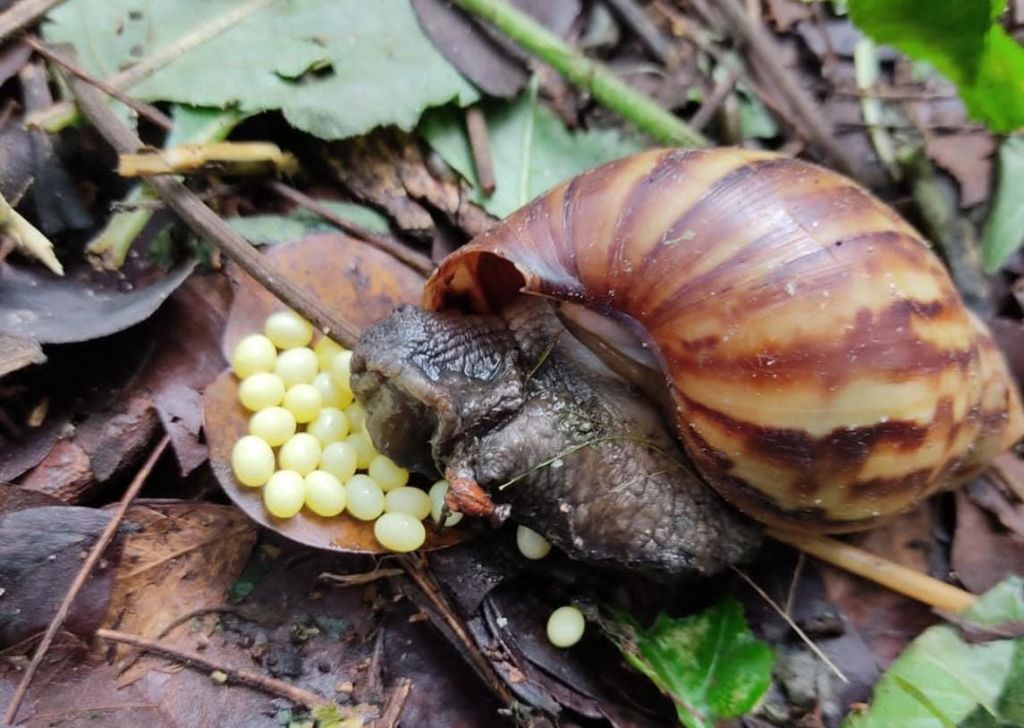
<point x="710" y="663"/>
<point x="524" y="137"/>
<point x="964" y="41"/>
<point x="334" y="68"/>
<point x="1004" y="229"/>
<point x="940" y="680"/>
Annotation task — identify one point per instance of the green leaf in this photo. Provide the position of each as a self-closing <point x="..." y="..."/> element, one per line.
<point x="335" y="68"/>
<point x="941" y="681"/>
<point x="710" y="663"/>
<point x="531" y="149"/>
<point x="964" y="41"/>
<point x="273" y="229"/>
<point x="1004" y="230"/>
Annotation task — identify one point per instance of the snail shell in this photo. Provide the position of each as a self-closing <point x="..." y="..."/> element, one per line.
<point x="824" y="370"/>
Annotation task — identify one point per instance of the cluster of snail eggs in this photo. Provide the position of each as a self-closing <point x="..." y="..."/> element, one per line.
<point x="302" y="404"/>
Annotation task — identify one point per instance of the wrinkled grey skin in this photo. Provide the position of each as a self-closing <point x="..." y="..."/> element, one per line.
<point x="518" y="398"/>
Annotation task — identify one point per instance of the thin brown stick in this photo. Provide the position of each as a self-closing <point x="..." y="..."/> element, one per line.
<point x="887" y="573"/>
<point x="430" y="591"/>
<point x="792" y="624"/>
<point x="767" y="61"/>
<point x="714" y="100"/>
<point x="417" y="261"/>
<point x="23" y="14"/>
<point x="392" y="712"/>
<point x="141" y="108"/>
<point x="83" y="575"/>
<point x="480" y="144"/>
<point x="367" y="577"/>
<point x="242" y="677"/>
<point x="636" y="18"/>
<point x="200" y="612"/>
<point x="207" y="224"/>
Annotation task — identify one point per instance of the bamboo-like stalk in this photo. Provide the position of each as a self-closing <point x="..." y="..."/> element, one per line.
<point x="889" y="574"/>
<point x="595" y="77"/>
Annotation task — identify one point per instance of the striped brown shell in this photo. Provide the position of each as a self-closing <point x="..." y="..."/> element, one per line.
<point x="825" y="371"/>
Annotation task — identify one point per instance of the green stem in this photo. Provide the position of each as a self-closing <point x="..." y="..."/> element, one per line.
<point x="599" y="80"/>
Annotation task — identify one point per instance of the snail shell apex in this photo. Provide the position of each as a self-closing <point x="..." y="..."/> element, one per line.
<point x="825" y="372"/>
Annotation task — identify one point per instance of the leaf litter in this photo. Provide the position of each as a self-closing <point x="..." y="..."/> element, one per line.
<point x="355" y="643"/>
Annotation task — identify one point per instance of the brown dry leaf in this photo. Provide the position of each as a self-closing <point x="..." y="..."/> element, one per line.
<point x="388" y="170"/>
<point x="176" y="375"/>
<point x="983" y="552"/>
<point x="17" y="353"/>
<point x="363" y="285"/>
<point x="182" y="557"/>
<point x="887" y="621"/>
<point x="787" y="13"/>
<point x="41" y="552"/>
<point x="968" y="157"/>
<point x="107" y="444"/>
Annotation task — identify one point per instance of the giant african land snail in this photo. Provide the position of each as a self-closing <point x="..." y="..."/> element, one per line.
<point x="822" y="371"/>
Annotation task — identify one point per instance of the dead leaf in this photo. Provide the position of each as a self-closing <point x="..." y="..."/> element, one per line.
<point x="181" y="557"/>
<point x="51" y="311"/>
<point x="968" y="157"/>
<point x="786" y="13"/>
<point x="15" y="162"/>
<point x="388" y="170"/>
<point x="984" y="553"/>
<point x="176" y="375"/>
<point x="481" y="58"/>
<point x="363" y="285"/>
<point x="107" y="444"/>
<point x="1009" y="334"/>
<point x="489" y="60"/>
<point x="13" y="498"/>
<point x="41" y="552"/>
<point x="887" y="621"/>
<point x="17" y="353"/>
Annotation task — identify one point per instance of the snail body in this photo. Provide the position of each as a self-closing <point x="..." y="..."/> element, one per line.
<point x="823" y="369"/>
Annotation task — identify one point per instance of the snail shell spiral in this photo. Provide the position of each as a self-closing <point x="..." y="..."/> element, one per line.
<point x="824" y="370"/>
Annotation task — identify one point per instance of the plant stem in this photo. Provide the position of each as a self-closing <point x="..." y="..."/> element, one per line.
<point x="207" y="224"/>
<point x="889" y="574"/>
<point x="24" y="234"/>
<point x="243" y="677"/>
<point x="599" y="80"/>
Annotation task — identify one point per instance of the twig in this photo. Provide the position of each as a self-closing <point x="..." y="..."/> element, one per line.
<point x="392" y="712"/>
<point x="209" y="225"/>
<point x="476" y="126"/>
<point x="596" y="78"/>
<point x="200" y="612"/>
<point x="636" y="18"/>
<point x="27" y="237"/>
<point x="795" y="627"/>
<point x="141" y="108"/>
<point x="225" y="157"/>
<point x="866" y="67"/>
<point x="23" y="14"/>
<point x="444" y="612"/>
<point x="417" y="261"/>
<point x="889" y="574"/>
<point x="83" y="575"/>
<point x="242" y="677"/>
<point x="367" y="577"/>
<point x="767" y="61"/>
<point x="798" y="571"/>
<point x="718" y="94"/>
